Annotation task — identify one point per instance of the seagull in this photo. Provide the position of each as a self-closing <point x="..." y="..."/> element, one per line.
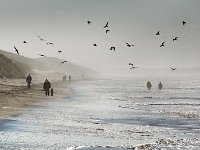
<point x="112" y="48"/>
<point x="95" y="44"/>
<point x="183" y="23"/>
<point x="16" y="50"/>
<point x="63" y="62"/>
<point x="106" y="26"/>
<point x="107" y="31"/>
<point x="41" y="38"/>
<point x="173" y="69"/>
<point x="59" y="51"/>
<point x="24" y="42"/>
<point x="133" y="67"/>
<point x="175" y="39"/>
<point x="129" y="45"/>
<point x="130" y="64"/>
<point x="162" y="45"/>
<point x="158" y="33"/>
<point x="88" y="22"/>
<point x="41" y="55"/>
<point x="49" y="43"/>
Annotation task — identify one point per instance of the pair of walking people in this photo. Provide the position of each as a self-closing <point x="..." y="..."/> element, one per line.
<point x="149" y="85"/>
<point x="46" y="85"/>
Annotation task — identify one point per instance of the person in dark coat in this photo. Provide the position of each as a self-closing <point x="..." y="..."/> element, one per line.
<point x="149" y="85"/>
<point x="28" y="80"/>
<point x="160" y="86"/>
<point x="47" y="86"/>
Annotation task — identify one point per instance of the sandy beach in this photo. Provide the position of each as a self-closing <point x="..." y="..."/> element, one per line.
<point x="15" y="96"/>
<point x="104" y="114"/>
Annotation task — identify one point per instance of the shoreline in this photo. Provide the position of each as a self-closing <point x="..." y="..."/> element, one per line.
<point x="14" y="99"/>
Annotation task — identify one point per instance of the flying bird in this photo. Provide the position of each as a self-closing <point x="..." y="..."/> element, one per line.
<point x="95" y="44"/>
<point x="127" y="44"/>
<point x="49" y="43"/>
<point x="158" y="33"/>
<point x="16" y="50"/>
<point x="41" y="55"/>
<point x="107" y="31"/>
<point x="175" y="39"/>
<point x="59" y="51"/>
<point x="41" y="38"/>
<point x="24" y="42"/>
<point x="130" y="64"/>
<point x="133" y="67"/>
<point x="88" y="22"/>
<point x="112" y="48"/>
<point x="162" y="45"/>
<point x="63" y="62"/>
<point x="173" y="69"/>
<point x="183" y="22"/>
<point x="106" y="26"/>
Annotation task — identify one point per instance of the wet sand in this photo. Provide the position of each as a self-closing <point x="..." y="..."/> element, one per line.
<point x="100" y="114"/>
<point x="15" y="96"/>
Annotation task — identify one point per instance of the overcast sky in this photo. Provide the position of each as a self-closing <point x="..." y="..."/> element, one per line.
<point x="64" y="22"/>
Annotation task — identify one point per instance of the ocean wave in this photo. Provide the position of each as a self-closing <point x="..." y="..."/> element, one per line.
<point x="189" y="98"/>
<point x="169" y="144"/>
<point x="99" y="148"/>
<point x="181" y="104"/>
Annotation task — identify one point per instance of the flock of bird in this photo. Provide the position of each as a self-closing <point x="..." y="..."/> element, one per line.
<point x="42" y="55"/>
<point x="129" y="45"/>
<point x="111" y="48"/>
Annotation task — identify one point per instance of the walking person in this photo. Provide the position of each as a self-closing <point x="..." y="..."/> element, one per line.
<point x="160" y="86"/>
<point x="28" y="80"/>
<point x="64" y="78"/>
<point x="70" y="78"/>
<point x="47" y="86"/>
<point x="149" y="85"/>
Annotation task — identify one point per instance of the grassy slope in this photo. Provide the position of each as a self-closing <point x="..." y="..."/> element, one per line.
<point x="10" y="69"/>
<point x="16" y="66"/>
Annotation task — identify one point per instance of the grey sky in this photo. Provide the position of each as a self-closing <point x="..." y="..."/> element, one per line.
<point x="64" y="22"/>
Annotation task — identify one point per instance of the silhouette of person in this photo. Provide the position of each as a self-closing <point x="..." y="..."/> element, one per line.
<point x="70" y="78"/>
<point x="28" y="80"/>
<point x="51" y="91"/>
<point x="149" y="85"/>
<point x="47" y="86"/>
<point x="64" y="78"/>
<point x="160" y="86"/>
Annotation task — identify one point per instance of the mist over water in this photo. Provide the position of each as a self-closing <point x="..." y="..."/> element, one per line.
<point x="112" y="112"/>
<point x="64" y="22"/>
<point x="114" y="109"/>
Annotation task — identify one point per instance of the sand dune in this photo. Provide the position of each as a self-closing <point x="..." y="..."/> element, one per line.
<point x="12" y="69"/>
<point x="48" y="67"/>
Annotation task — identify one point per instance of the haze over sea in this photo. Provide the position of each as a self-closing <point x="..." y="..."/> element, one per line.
<point x="112" y="112"/>
<point x="141" y="40"/>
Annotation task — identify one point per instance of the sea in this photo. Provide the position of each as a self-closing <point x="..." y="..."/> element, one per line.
<point x="113" y="114"/>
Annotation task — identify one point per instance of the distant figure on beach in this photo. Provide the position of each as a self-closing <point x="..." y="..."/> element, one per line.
<point x="160" y="86"/>
<point x="149" y="85"/>
<point x="70" y="78"/>
<point x="28" y="80"/>
<point x="64" y="78"/>
<point x="51" y="91"/>
<point x="47" y="86"/>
